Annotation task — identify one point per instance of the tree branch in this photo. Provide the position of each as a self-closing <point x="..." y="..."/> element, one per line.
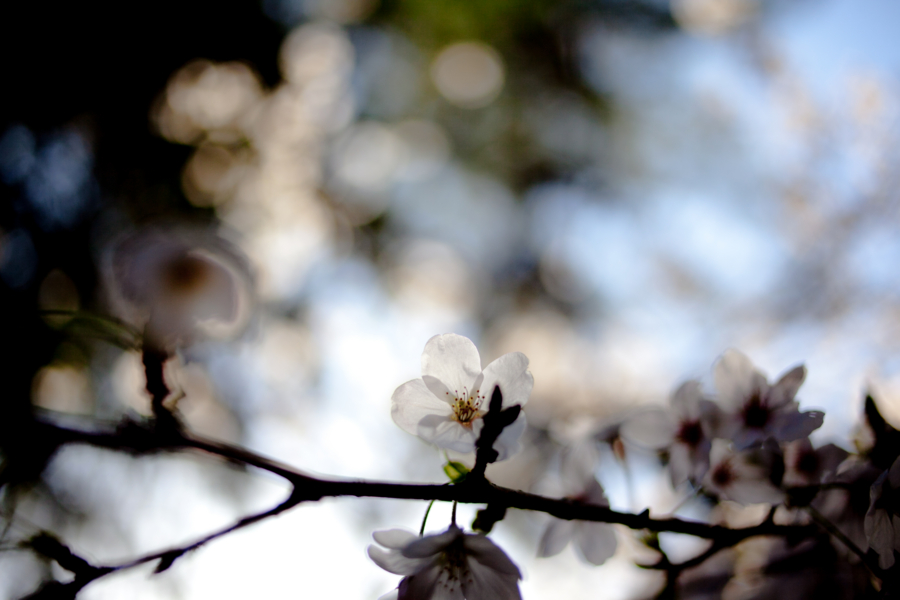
<point x="141" y="438"/>
<point x="134" y="438"/>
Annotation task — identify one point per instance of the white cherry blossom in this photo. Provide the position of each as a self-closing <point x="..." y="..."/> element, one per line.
<point x="448" y="566"/>
<point x="756" y="410"/>
<point x="446" y="405"/>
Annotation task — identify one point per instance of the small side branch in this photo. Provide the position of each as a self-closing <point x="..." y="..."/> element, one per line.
<point x="86" y="573"/>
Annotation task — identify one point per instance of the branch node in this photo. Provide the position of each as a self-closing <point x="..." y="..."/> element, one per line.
<point x="495" y="421"/>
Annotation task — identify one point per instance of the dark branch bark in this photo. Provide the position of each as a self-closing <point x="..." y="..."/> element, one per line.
<point x="136" y="439"/>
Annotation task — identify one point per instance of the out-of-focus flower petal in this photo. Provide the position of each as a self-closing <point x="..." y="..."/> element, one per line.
<point x="482" y="549"/>
<point x="394" y="538"/>
<point x="734" y="476"/>
<point x="556" y="537"/>
<point x="894" y="474"/>
<point x="487" y="584"/>
<point x="753" y="490"/>
<point x="432" y="544"/>
<point x="394" y="562"/>
<point x="686" y="399"/>
<point x="735" y="379"/>
<point x="654" y="428"/>
<point x="507" y="443"/>
<point x="596" y="541"/>
<point x="579" y="479"/>
<point x="421" y="586"/>
<point x="786" y="388"/>
<point x="804" y="465"/>
<point x="880" y="534"/>
<point x="878" y="524"/>
<point x="680" y="464"/>
<point x="789" y="427"/>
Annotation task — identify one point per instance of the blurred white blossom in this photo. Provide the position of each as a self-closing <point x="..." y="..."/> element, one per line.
<point x="179" y="285"/>
<point x="743" y="477"/>
<point x="595" y="542"/>
<point x="757" y="410"/>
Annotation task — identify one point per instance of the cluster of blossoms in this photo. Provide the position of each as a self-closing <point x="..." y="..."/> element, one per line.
<point x="446" y="407"/>
<point x="747" y="443"/>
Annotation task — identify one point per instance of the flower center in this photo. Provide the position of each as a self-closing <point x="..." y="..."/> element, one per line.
<point x="690" y="433"/>
<point x="454" y="569"/>
<point x="184" y="275"/>
<point x="756" y="414"/>
<point x="467" y="406"/>
<point x="722" y="475"/>
<point x="808" y="463"/>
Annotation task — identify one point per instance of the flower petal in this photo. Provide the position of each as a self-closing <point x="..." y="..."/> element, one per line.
<point x="894" y="474"/>
<point x="786" y="388"/>
<point x="593" y="492"/>
<point x="440" y="391"/>
<point x="420" y="586"/>
<point x="736" y="379"/>
<point x="507" y="444"/>
<point x="596" y="542"/>
<point x="754" y="491"/>
<point x="685" y="400"/>
<point x="680" y="464"/>
<point x="510" y="372"/>
<point x="446" y="589"/>
<point x="431" y="545"/>
<point x="879" y="532"/>
<point x="413" y="401"/>
<point x="482" y="549"/>
<point x="394" y="562"/>
<point x="790" y="426"/>
<point x="453" y="359"/>
<point x="653" y="428"/>
<point x="395" y="539"/>
<point x="445" y="432"/>
<point x="484" y="583"/>
<point x="556" y="537"/>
